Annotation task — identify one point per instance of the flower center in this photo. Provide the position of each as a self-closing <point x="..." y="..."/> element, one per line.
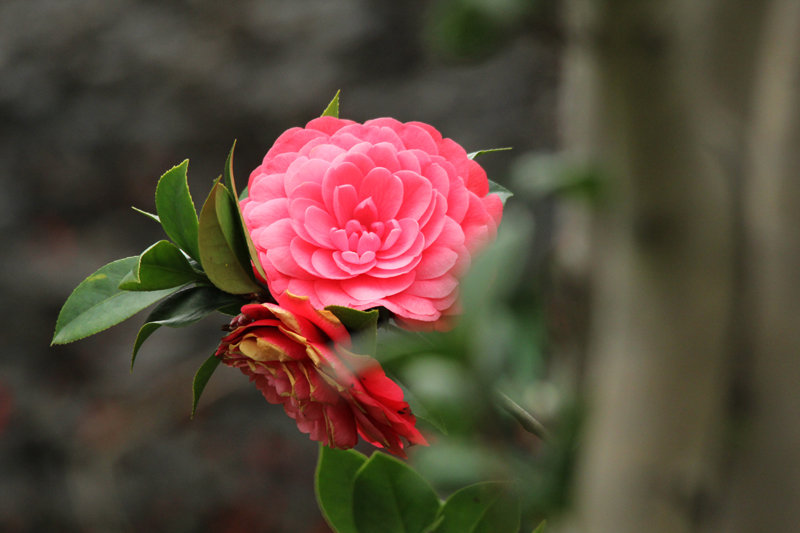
<point x="363" y="236"/>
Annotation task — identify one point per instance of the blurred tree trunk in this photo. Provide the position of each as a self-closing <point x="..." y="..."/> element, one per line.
<point x="693" y="110"/>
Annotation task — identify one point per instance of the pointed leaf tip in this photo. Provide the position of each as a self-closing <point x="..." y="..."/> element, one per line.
<point x="98" y="303"/>
<point x="473" y="155"/>
<point x="176" y="210"/>
<point x="201" y="378"/>
<point x="333" y="107"/>
<point x="499" y="190"/>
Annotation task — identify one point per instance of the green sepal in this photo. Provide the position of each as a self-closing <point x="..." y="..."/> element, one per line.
<point x="473" y="155"/>
<point x="182" y="309"/>
<point x="333" y="107"/>
<point x="391" y="497"/>
<point x="161" y="266"/>
<point x="483" y="507"/>
<point x="176" y="210"/>
<point x="499" y="190"/>
<point x="362" y="325"/>
<point x="333" y="485"/>
<point x="98" y="303"/>
<point x="201" y="378"/>
<point x="218" y="230"/>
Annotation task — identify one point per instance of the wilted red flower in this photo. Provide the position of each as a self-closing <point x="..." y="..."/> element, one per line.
<point x="297" y="356"/>
<point x="382" y="213"/>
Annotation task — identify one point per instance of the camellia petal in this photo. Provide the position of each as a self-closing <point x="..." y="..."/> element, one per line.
<point x="298" y="358"/>
<point x="382" y="213"/>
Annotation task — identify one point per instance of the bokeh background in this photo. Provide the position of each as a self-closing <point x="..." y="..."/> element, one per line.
<point x="97" y="99"/>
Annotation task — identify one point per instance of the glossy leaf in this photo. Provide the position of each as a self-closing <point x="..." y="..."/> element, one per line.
<point x="500" y="191"/>
<point x="389" y="496"/>
<point x="480" y="508"/>
<point x="176" y="210"/>
<point x="217" y="256"/>
<point x="182" y="309"/>
<point x="333" y="484"/>
<point x="201" y="378"/>
<point x="473" y="155"/>
<point x="248" y="253"/>
<point x="333" y="107"/>
<point x="98" y="303"/>
<point x="161" y="266"/>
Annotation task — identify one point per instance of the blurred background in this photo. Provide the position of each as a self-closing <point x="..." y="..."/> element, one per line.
<point x="97" y="99"/>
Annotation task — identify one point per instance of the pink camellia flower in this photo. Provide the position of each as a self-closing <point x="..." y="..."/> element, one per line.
<point x="297" y="356"/>
<point x="364" y="215"/>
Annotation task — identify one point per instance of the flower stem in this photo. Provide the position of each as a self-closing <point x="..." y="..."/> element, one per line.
<point x="528" y="422"/>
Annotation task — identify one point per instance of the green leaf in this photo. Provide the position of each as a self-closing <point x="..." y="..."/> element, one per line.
<point x="473" y="155"/>
<point x="161" y="266"/>
<point x="421" y="410"/>
<point x="333" y="484"/>
<point x="333" y="107"/>
<point x="353" y="319"/>
<point x="390" y="497"/>
<point x="480" y="508"/>
<point x="217" y="254"/>
<point x="182" y="309"/>
<point x="147" y="214"/>
<point x="363" y="326"/>
<point x="540" y="527"/>
<point x="176" y="210"/>
<point x="231" y="225"/>
<point x="98" y="303"/>
<point x="499" y="190"/>
<point x="227" y="171"/>
<point x="201" y="378"/>
<point x="247" y="253"/>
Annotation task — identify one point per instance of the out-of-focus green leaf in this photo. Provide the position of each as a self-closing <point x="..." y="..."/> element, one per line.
<point x="333" y="107"/>
<point x="480" y="508"/>
<point x="539" y="175"/>
<point x="540" y="527"/>
<point x="422" y="412"/>
<point x="176" y="210"/>
<point x="182" y="309"/>
<point x="390" y="497"/>
<point x="201" y="378"/>
<point x="161" y="266"/>
<point x="333" y="484"/>
<point x="218" y="257"/>
<point x="98" y="303"/>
